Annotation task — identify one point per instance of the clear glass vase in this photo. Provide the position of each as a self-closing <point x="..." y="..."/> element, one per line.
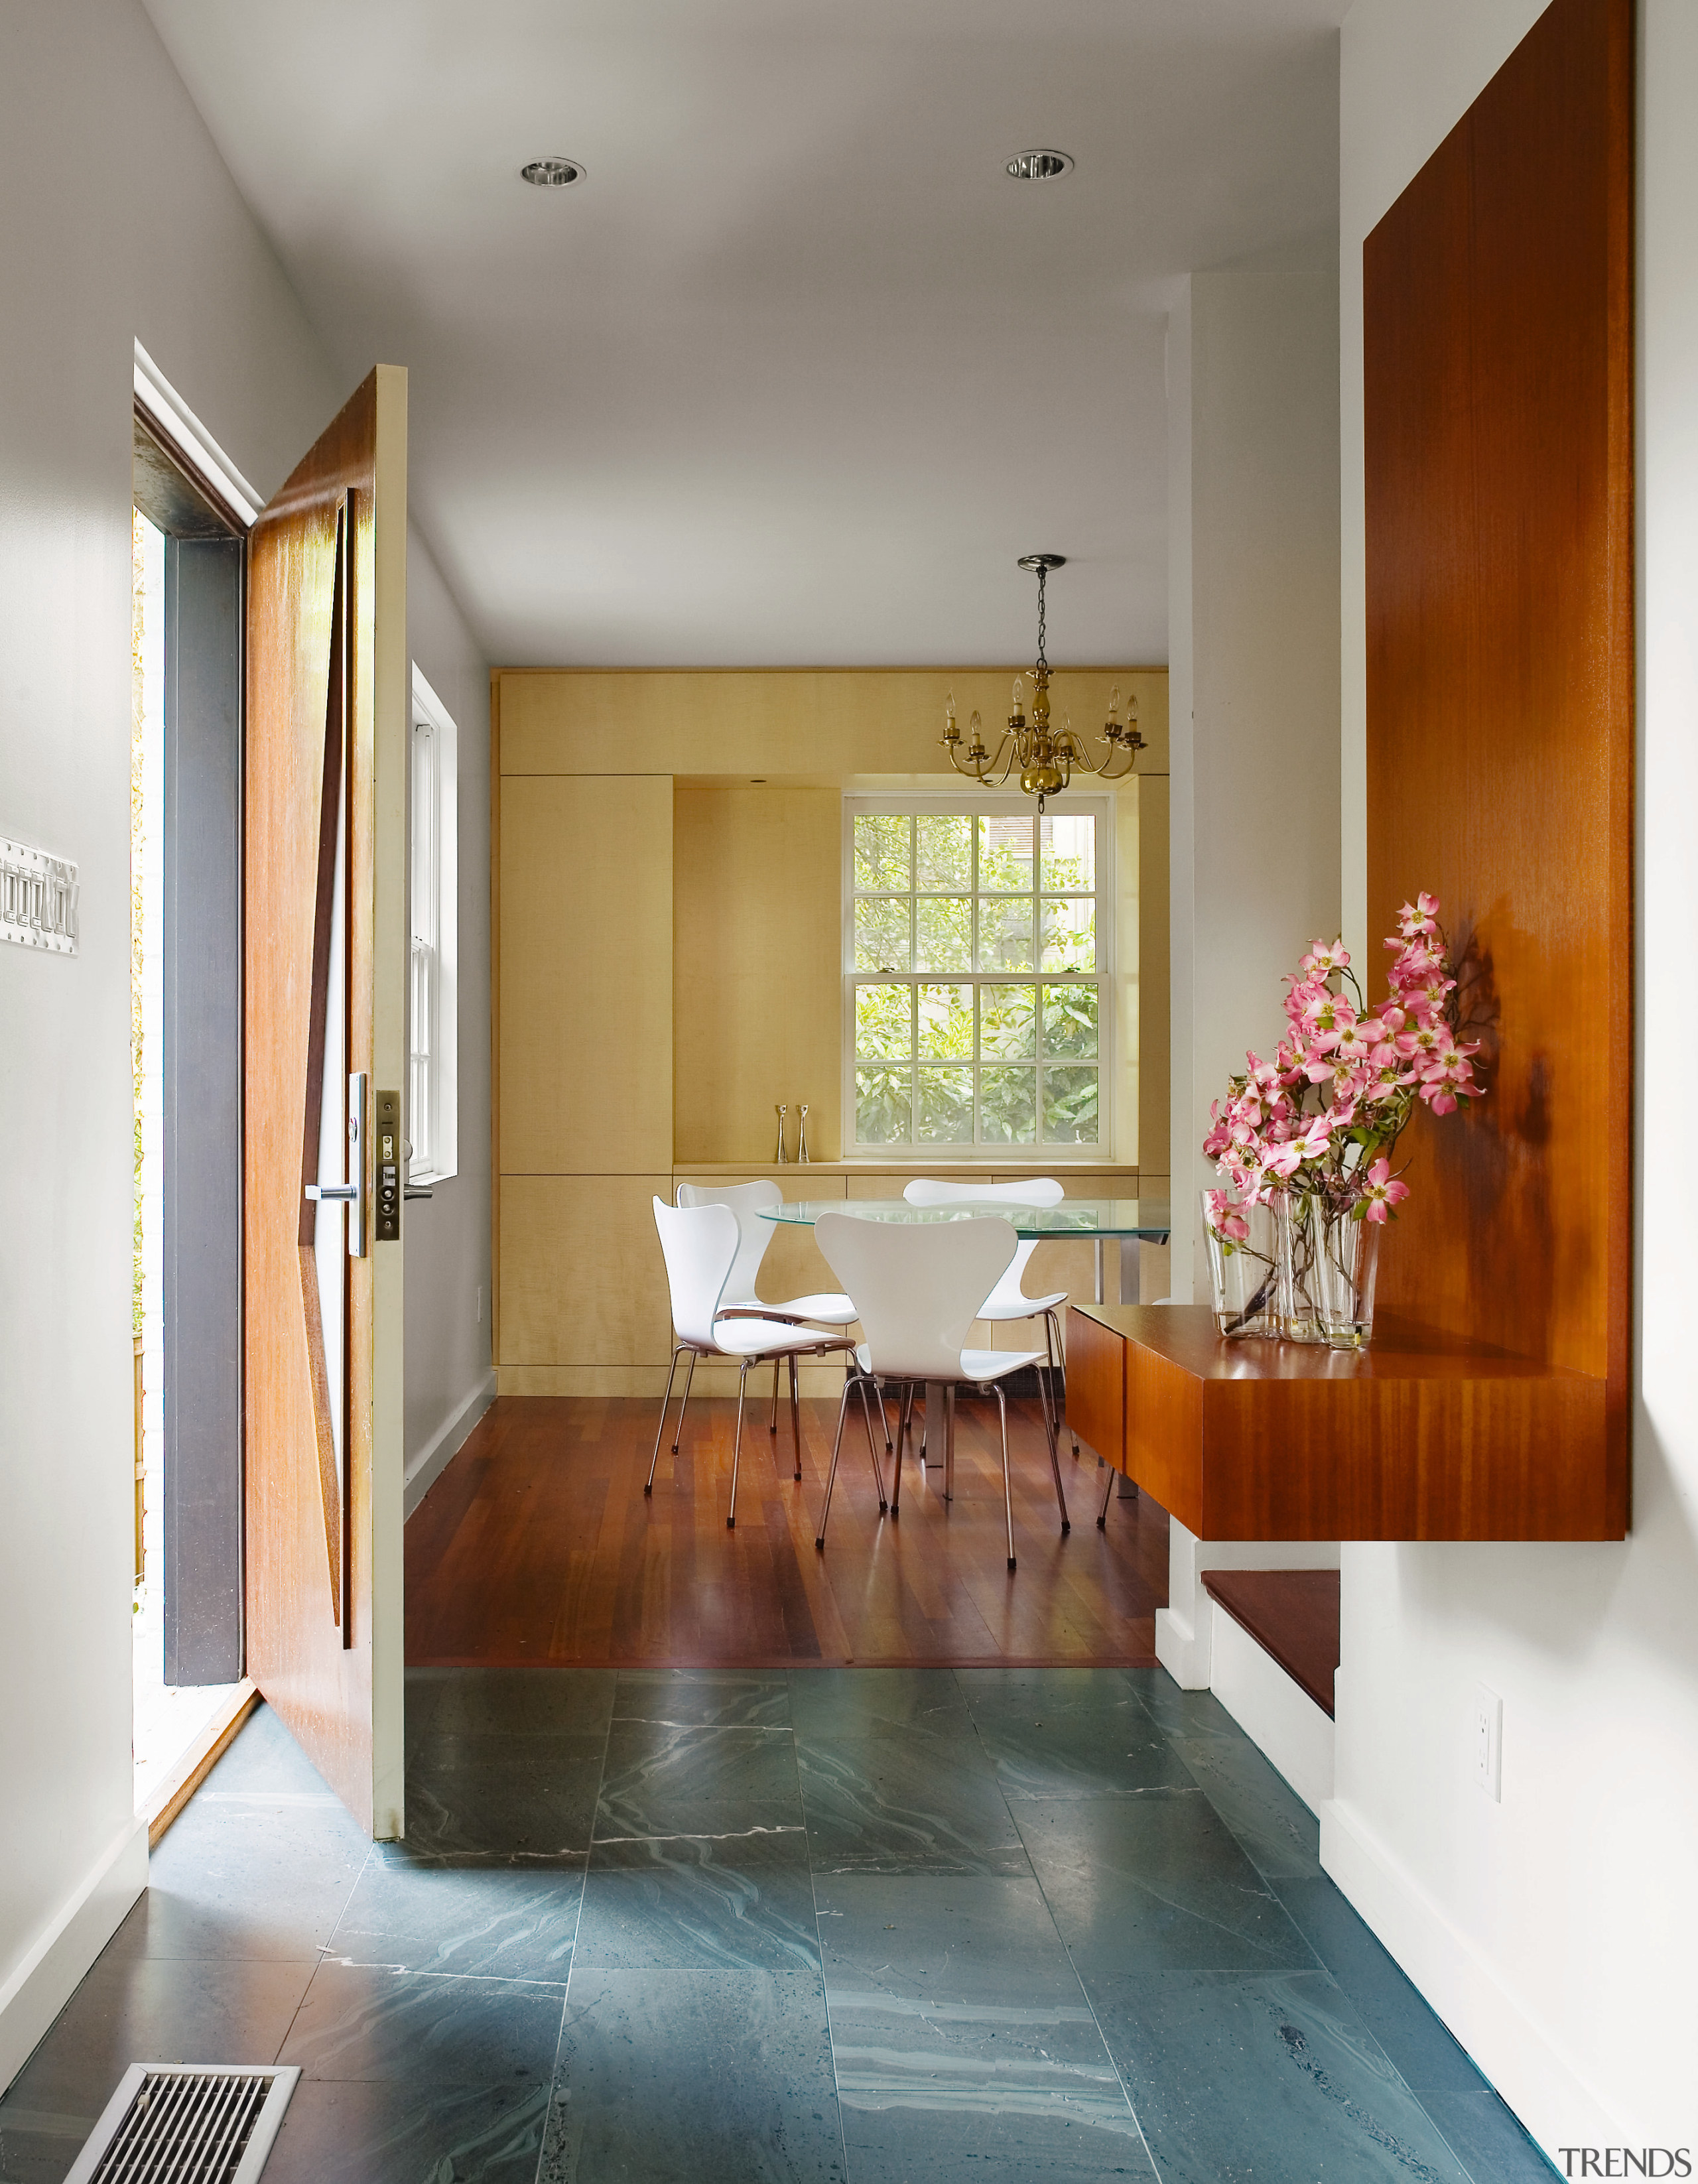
<point x="1243" y="1271"/>
<point x="1328" y="1262"/>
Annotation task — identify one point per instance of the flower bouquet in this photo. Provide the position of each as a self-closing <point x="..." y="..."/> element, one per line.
<point x="1310" y="1135"/>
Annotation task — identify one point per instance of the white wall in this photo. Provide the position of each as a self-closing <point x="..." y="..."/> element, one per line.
<point x="121" y="224"/>
<point x="449" y="1381"/>
<point x="1556" y="1930"/>
<point x="1253" y="512"/>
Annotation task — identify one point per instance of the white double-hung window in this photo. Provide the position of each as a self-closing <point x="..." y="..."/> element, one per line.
<point x="977" y="985"/>
<point x="432" y="1014"/>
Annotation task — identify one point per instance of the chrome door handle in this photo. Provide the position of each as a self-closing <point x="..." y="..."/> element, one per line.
<point x="350" y="1194"/>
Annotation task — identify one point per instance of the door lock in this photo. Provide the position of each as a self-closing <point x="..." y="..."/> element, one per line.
<point x="388" y="1168"/>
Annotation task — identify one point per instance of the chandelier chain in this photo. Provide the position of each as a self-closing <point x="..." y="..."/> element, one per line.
<point x="1042" y="574"/>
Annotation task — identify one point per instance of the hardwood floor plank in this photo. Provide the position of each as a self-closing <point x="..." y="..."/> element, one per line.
<point x="537" y="1544"/>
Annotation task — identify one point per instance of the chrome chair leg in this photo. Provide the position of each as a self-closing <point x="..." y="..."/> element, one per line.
<point x="649" y="1486"/>
<point x="736" y="1449"/>
<point x="904" y="1428"/>
<point x="949" y="1441"/>
<point x="1052" y="1343"/>
<point x="1056" y="1466"/>
<point x="795" y="1416"/>
<point x="772" y="1423"/>
<point x="831" y="1475"/>
<point x="689" y="1378"/>
<point x="1007" y="1493"/>
<point x="860" y="1380"/>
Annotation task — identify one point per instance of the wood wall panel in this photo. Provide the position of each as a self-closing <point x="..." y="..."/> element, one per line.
<point x="582" y="1280"/>
<point x="757" y="1012"/>
<point x="820" y="724"/>
<point x="586" y="976"/>
<point x="1501" y="685"/>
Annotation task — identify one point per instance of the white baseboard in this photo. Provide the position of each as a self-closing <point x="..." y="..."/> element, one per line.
<point x="1273" y="1710"/>
<point x="41" y="1986"/>
<point x="432" y="1460"/>
<point x="1547" y="2088"/>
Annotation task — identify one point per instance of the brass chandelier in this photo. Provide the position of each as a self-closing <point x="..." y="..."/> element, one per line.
<point x="1045" y="756"/>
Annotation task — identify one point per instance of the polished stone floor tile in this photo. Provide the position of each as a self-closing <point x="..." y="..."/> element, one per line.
<point x="683" y="1908"/>
<point x="885" y="1804"/>
<point x="489" y="1921"/>
<point x="1486" y="2138"/>
<point x="692" y="2077"/>
<point x="1268" y="2080"/>
<point x="944" y="1938"/>
<point x="519" y="1800"/>
<point x="924" y="1704"/>
<point x="155" y="2010"/>
<point x="521" y="1702"/>
<point x="261" y="1863"/>
<point x="724" y="1698"/>
<point x="1117" y="1754"/>
<point x="1046" y="1694"/>
<point x="362" y="2021"/>
<point x="1424" y="2053"/>
<point x="1154" y="1883"/>
<point x="1014" y="2141"/>
<point x="38" y="2146"/>
<point x="664" y="1778"/>
<point x="964" y="2043"/>
<point x="382" y="2131"/>
<point x="1275" y="1828"/>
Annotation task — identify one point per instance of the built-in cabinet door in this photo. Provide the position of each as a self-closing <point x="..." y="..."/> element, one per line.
<point x="325" y="960"/>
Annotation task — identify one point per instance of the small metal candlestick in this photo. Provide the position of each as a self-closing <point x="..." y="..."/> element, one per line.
<point x="802" y="1133"/>
<point x="781" y="1109"/>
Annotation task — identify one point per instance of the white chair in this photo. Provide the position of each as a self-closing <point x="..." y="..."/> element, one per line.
<point x="1008" y="1300"/>
<point x="700" y="1245"/>
<point x="827" y="1307"/>
<point x="917" y="1292"/>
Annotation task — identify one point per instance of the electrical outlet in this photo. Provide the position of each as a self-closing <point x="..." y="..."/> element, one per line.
<point x="1488" y="1742"/>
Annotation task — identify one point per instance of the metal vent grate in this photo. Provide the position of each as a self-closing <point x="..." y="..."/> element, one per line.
<point x="189" y="2123"/>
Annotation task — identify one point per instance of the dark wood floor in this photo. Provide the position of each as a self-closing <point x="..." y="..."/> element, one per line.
<point x="537" y="1544"/>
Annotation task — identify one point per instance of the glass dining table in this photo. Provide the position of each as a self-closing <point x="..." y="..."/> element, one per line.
<point x="1129" y="1222"/>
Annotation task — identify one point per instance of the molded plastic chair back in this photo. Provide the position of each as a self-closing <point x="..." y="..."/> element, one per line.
<point x="700" y="1243"/>
<point x="745" y="1199"/>
<point x="918" y="1291"/>
<point x="1030" y="1190"/>
<point x="1034" y="1190"/>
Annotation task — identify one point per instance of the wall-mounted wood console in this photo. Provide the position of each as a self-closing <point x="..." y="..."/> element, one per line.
<point x="1498" y="484"/>
<point x="1422" y="1436"/>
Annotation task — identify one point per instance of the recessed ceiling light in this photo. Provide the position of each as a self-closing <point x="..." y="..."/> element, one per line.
<point x="1039" y="166"/>
<point x="552" y="174"/>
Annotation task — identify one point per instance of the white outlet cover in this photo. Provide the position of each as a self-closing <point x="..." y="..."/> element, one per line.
<point x="1488" y="1742"/>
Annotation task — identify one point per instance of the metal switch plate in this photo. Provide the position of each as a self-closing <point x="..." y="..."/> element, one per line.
<point x="387" y="1123"/>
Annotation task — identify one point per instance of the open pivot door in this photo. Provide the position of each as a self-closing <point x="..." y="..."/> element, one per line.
<point x="326" y="964"/>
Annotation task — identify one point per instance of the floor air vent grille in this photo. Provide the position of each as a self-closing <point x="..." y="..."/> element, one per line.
<point x="187" y="2123"/>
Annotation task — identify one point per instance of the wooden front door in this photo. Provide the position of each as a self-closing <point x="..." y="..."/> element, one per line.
<point x="325" y="960"/>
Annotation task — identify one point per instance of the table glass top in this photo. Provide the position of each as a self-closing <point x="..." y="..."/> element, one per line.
<point x="1146" y="1218"/>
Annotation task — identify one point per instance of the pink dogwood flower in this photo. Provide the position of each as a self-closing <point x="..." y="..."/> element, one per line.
<point x="1382" y="1192"/>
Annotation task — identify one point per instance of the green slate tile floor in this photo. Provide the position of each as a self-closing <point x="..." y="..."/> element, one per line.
<point x="836" y="1926"/>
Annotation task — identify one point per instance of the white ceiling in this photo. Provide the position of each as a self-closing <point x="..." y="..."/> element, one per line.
<point x="797" y="372"/>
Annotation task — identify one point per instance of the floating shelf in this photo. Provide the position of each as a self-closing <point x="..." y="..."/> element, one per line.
<point x="1421" y="1436"/>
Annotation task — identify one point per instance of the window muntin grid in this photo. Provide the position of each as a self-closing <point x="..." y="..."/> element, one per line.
<point x="976" y="977"/>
